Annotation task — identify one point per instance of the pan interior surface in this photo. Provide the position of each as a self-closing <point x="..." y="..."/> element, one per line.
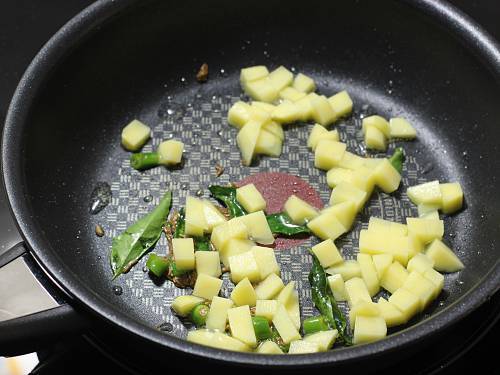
<point x="142" y="63"/>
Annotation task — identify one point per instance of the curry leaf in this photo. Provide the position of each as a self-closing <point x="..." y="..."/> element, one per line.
<point x="128" y="247"/>
<point x="281" y="223"/>
<point x="227" y="195"/>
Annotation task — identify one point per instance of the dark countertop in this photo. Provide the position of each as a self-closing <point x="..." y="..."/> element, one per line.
<point x="27" y="24"/>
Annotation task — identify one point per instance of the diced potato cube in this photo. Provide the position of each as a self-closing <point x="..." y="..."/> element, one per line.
<point x="373" y="242"/>
<point x="266" y="308"/>
<point x="352" y="161"/>
<point x="392" y="228"/>
<point x="183" y="249"/>
<point x="420" y="263"/>
<point x="207" y="286"/>
<point x="286" y="295"/>
<point x="415" y="245"/>
<point x="258" y="228"/>
<point x="299" y="211"/>
<point x="426" y="230"/>
<point x="253" y="73"/>
<point x="394" y="277"/>
<point x="328" y="154"/>
<point x="337" y="286"/>
<point x="241" y="326"/>
<point x="362" y="308"/>
<point x="347" y="192"/>
<point x="208" y="262"/>
<point x="286" y="113"/>
<point x="266" y="261"/>
<point x="381" y="263"/>
<point x="292" y="94"/>
<point x="344" y="211"/>
<point x="356" y="291"/>
<point x="135" y="135"/>
<point x="195" y="215"/>
<point x="338" y="175"/>
<point x="424" y="208"/>
<point x="364" y="179"/>
<point x="433" y="215"/>
<point x="327" y="253"/>
<point x="452" y="197"/>
<point x="374" y="138"/>
<point x="419" y="286"/>
<point x="369" y="329"/>
<point x="399" y="249"/>
<point x="247" y="140"/>
<point x="268" y="144"/>
<point x="319" y="133"/>
<point x="303" y="347"/>
<point x="250" y="198"/>
<point x="269" y="347"/>
<point x="386" y="176"/>
<point x="269" y="287"/>
<point x="293" y="309"/>
<point x="437" y="279"/>
<point x="183" y="305"/>
<point x="428" y="193"/>
<point x="216" y="340"/>
<point x="170" y="152"/>
<point x="280" y="78"/>
<point x="326" y="226"/>
<point x="445" y="260"/>
<point x="244" y="265"/>
<point x="401" y="128"/>
<point x="341" y="104"/>
<point x="275" y="129"/>
<point x="285" y="326"/>
<point x="377" y="122"/>
<point x="239" y="114"/>
<point x="266" y="107"/>
<point x="348" y="270"/>
<point x="217" y="315"/>
<point x="304" y="83"/>
<point x="406" y="302"/>
<point x="391" y="314"/>
<point x="244" y="293"/>
<point x="213" y="217"/>
<point x="322" y="112"/>
<point x="234" y="228"/>
<point x="234" y="246"/>
<point x="369" y="273"/>
<point x="262" y="90"/>
<point x="304" y="107"/>
<point x="324" y="339"/>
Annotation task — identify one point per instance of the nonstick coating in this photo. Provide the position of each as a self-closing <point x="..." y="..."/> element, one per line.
<point x="140" y="60"/>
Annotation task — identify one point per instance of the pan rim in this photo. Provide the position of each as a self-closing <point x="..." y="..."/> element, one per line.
<point x="476" y="39"/>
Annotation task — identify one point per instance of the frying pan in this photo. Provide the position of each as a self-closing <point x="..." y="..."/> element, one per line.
<point x="120" y="60"/>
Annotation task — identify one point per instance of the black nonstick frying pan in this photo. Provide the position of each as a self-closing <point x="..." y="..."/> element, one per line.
<point x="120" y="60"/>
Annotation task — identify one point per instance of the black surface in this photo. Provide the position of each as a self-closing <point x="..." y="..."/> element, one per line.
<point x="31" y="25"/>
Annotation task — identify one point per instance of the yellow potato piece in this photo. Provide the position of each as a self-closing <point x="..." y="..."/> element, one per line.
<point x="266" y="308"/>
<point x="293" y="309"/>
<point x="362" y="308"/>
<point x="241" y="326"/>
<point x="322" y="112"/>
<point x="183" y="249"/>
<point x="319" y="133"/>
<point x="347" y="192"/>
<point x="262" y="90"/>
<point x="419" y="286"/>
<point x="275" y="129"/>
<point x="369" y="329"/>
<point x="299" y="211"/>
<point x="221" y="234"/>
<point x="377" y="122"/>
<point x="303" y="347"/>
<point x="337" y="285"/>
<point x="391" y="314"/>
<point x="341" y="104"/>
<point x="213" y="217"/>
<point x="381" y="263"/>
<point x="207" y="286"/>
<point x="348" y="270"/>
<point x="406" y="302"/>
<point x="208" y="262"/>
<point x="269" y="347"/>
<point x="247" y="140"/>
<point x="390" y="228"/>
<point x="234" y="246"/>
<point x="280" y="78"/>
<point x="324" y="339"/>
<point x="425" y="229"/>
<point x="427" y="193"/>
<point x="420" y="263"/>
<point x="338" y="175"/>
<point x="326" y="226"/>
<point x="286" y="295"/>
<point x="292" y="94"/>
<point x="242" y="266"/>
<point x="239" y="114"/>
<point x="351" y="161"/>
<point x="369" y="273"/>
<point x="437" y="279"/>
<point x="445" y="260"/>
<point x="183" y="305"/>
<point x="258" y="228"/>
<point x="250" y="198"/>
<point x="195" y="215"/>
<point x="374" y="138"/>
<point x="268" y="144"/>
<point x="328" y="154"/>
<point x="394" y="277"/>
<point x="327" y="253"/>
<point x="286" y="113"/>
<point x="269" y="287"/>
<point x="452" y="197"/>
<point x="356" y="291"/>
<point x="344" y="211"/>
<point x="170" y="152"/>
<point x="244" y="293"/>
<point x="253" y="73"/>
<point x="386" y="177"/>
<point x="217" y="315"/>
<point x="266" y="107"/>
<point x="135" y="135"/>
<point x="285" y="326"/>
<point x="303" y="83"/>
<point x="401" y="128"/>
<point x="217" y="340"/>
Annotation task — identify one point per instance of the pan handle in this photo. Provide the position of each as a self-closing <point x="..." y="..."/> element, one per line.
<point x="33" y="312"/>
